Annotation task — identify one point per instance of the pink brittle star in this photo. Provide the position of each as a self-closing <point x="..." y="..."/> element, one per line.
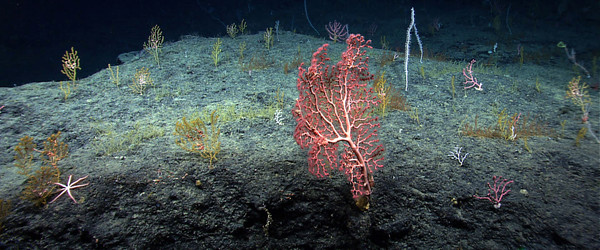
<point x="67" y="188"/>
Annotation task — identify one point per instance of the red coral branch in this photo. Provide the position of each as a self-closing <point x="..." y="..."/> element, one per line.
<point x="334" y="106"/>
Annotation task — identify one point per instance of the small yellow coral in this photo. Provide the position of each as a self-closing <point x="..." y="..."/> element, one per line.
<point x="232" y="30"/>
<point x="40" y="183"/>
<point x="194" y="136"/>
<point x="141" y="81"/>
<point x="383" y="93"/>
<point x="5" y="207"/>
<point x="70" y="64"/>
<point x="154" y="44"/>
<point x="216" y="51"/>
<point x="579" y="95"/>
